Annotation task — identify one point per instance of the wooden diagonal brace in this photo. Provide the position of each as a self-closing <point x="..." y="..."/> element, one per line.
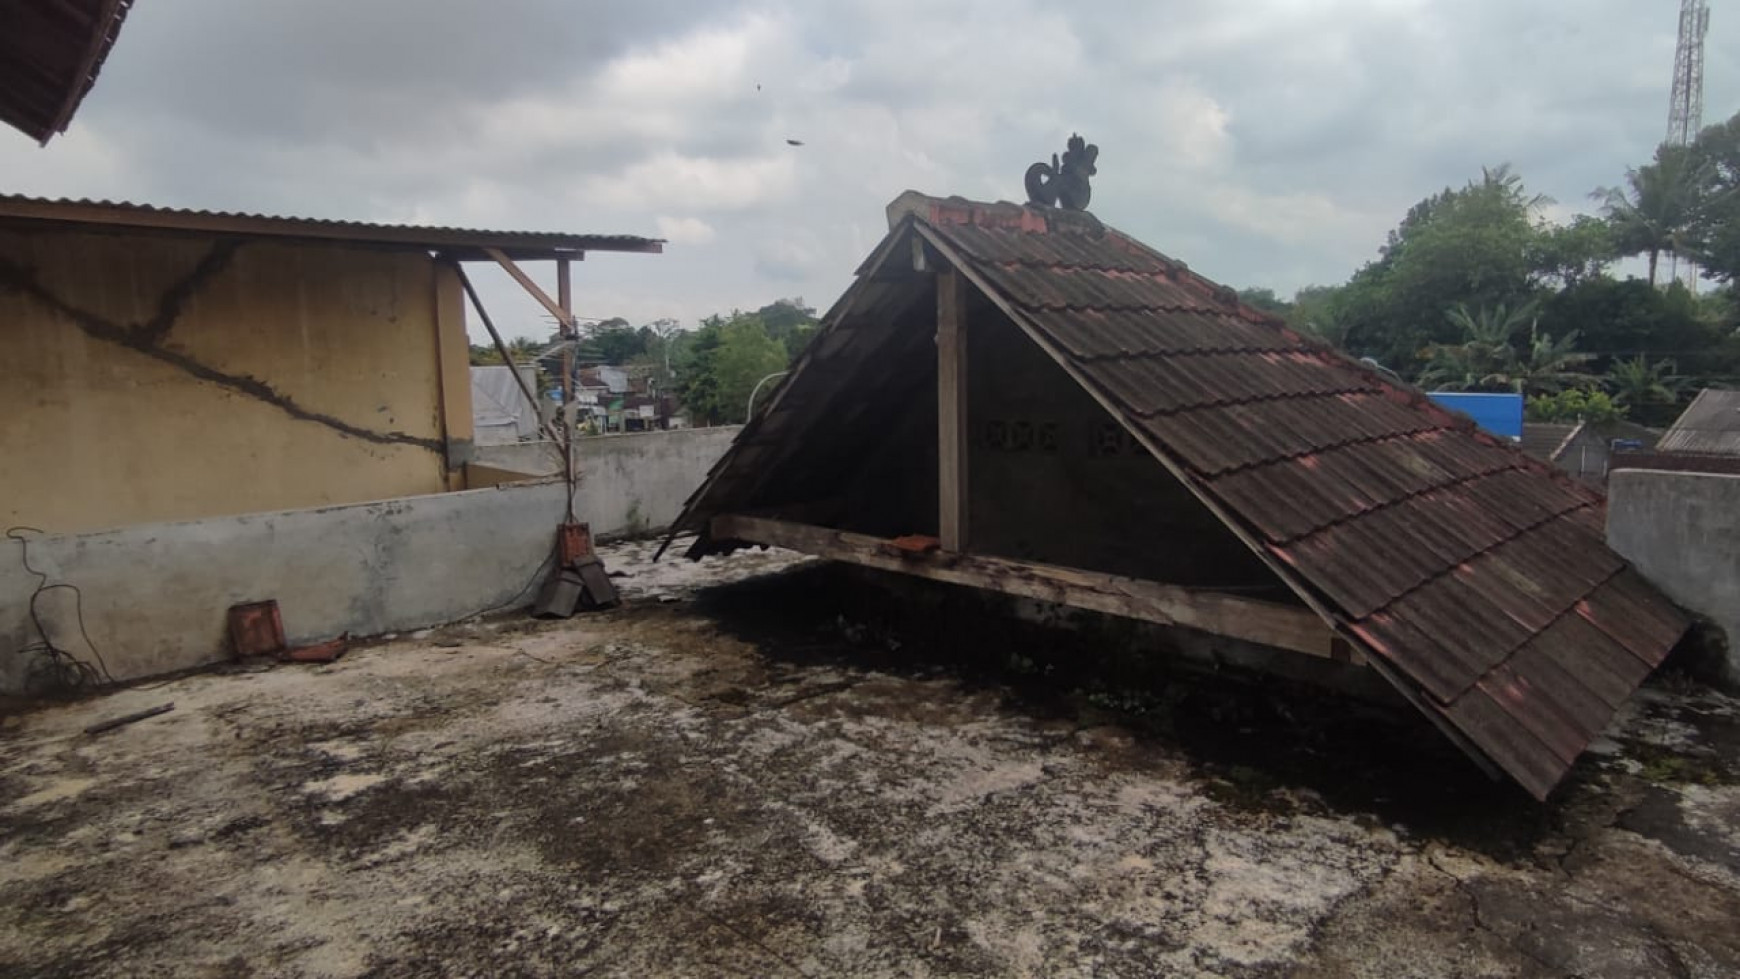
<point x="556" y="309"/>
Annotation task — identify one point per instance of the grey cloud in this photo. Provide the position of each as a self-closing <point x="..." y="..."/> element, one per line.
<point x="344" y="70"/>
<point x="1268" y="142"/>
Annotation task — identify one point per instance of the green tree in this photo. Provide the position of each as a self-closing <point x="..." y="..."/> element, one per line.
<point x="1617" y="320"/>
<point x="1716" y="226"/>
<point x="1265" y="299"/>
<point x="728" y="357"/>
<point x="665" y="350"/>
<point x="1573" y="405"/>
<point x="617" y="344"/>
<point x="1575" y="253"/>
<point x="1314" y="311"/>
<point x="525" y="350"/>
<point x="1485" y="360"/>
<point x="1548" y="365"/>
<point x="1475" y="245"/>
<point x="789" y="322"/>
<point x="1659" y="208"/>
<point x="1646" y="390"/>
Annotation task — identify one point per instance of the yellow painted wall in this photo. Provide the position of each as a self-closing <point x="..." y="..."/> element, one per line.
<point x="94" y="434"/>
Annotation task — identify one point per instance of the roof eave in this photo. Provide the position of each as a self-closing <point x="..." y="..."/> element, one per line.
<point x="106" y="29"/>
<point x="461" y="244"/>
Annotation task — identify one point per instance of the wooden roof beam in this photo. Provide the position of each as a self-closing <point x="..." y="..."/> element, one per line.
<point x="1269" y="623"/>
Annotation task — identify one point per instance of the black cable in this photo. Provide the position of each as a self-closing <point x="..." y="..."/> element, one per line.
<point x="536" y="577"/>
<point x="63" y="670"/>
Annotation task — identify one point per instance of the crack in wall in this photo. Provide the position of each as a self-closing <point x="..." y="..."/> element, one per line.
<point x="147" y="338"/>
<point x="169" y="305"/>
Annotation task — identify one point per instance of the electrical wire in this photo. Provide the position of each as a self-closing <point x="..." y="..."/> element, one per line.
<point x="537" y="576"/>
<point x="56" y="668"/>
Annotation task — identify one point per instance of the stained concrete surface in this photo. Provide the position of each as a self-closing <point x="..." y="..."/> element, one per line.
<point x="756" y="779"/>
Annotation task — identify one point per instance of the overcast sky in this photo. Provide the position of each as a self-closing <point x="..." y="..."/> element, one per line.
<point x="1265" y="142"/>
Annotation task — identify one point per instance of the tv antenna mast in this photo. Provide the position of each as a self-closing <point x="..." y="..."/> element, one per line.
<point x="1686" y="106"/>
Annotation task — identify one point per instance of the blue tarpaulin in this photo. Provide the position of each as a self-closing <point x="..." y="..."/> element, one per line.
<point x="1500" y="414"/>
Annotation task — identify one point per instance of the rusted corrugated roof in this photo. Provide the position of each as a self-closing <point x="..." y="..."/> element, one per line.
<point x="459" y="243"/>
<point x="1710" y="425"/>
<point x="1475" y="577"/>
<point x="50" y="54"/>
<point x="1546" y="440"/>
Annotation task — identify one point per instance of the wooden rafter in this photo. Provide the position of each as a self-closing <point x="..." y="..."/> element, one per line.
<point x="1269" y="623"/>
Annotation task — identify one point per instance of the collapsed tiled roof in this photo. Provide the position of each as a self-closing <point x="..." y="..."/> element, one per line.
<point x="50" y="54"/>
<point x="1476" y="579"/>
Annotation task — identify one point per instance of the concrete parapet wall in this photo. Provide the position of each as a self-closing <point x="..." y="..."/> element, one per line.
<point x="629" y="484"/>
<point x="1682" y="531"/>
<point x="155" y="596"/>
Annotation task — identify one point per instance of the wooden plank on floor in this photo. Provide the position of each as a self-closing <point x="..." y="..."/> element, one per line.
<point x="1269" y="623"/>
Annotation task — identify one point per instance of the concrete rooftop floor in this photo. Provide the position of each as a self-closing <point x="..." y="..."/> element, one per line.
<point x="665" y="790"/>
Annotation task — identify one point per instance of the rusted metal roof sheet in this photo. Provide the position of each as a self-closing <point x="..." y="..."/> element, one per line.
<point x="465" y="244"/>
<point x="50" y="54"/>
<point x="1546" y="440"/>
<point x="1710" y="425"/>
<point x="1476" y="576"/>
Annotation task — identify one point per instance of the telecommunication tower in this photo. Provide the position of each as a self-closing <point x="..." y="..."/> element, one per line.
<point x="1686" y="106"/>
<point x="1686" y="109"/>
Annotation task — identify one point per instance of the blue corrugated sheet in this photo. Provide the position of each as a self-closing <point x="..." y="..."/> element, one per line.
<point x="1500" y="414"/>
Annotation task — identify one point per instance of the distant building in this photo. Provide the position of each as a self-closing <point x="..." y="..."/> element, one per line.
<point x="1585" y="449"/>
<point x="620" y="399"/>
<point x="1710" y="426"/>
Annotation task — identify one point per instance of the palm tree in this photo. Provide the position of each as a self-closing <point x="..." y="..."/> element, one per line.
<point x="1550" y="365"/>
<point x="1485" y="359"/>
<point x="1637" y="382"/>
<point x="1658" y="207"/>
<point x="1491" y="327"/>
<point x="1508" y="183"/>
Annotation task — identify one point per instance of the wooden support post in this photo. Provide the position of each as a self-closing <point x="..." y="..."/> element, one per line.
<point x="565" y="292"/>
<point x="571" y="335"/>
<point x="453" y="366"/>
<point x="951" y="409"/>
<point x="1269" y="623"/>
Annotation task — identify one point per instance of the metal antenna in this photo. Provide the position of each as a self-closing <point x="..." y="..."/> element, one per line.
<point x="1686" y="106"/>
